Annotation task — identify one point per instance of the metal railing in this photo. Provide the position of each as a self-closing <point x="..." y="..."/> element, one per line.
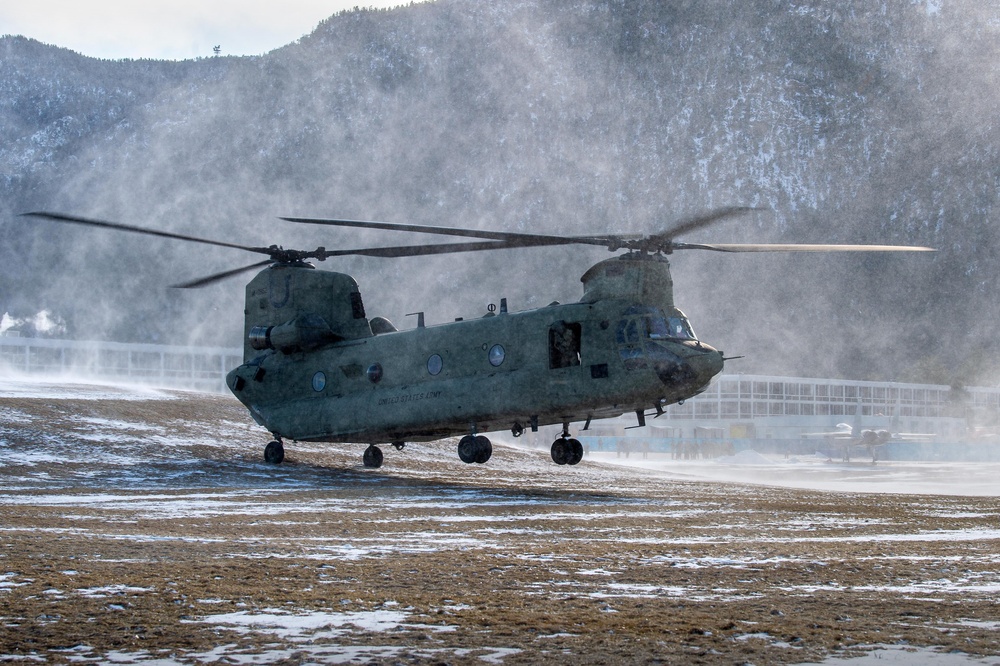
<point x="197" y="368"/>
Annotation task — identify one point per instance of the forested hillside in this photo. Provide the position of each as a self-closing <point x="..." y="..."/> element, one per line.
<point x="857" y="121"/>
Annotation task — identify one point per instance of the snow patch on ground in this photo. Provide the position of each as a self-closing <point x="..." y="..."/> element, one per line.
<point x="39" y="388"/>
<point x="816" y="473"/>
<point x="905" y="655"/>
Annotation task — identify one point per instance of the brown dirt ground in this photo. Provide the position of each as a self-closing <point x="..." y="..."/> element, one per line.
<point x="127" y="526"/>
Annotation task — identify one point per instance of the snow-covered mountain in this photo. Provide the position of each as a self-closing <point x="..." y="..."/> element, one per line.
<point x="853" y="122"/>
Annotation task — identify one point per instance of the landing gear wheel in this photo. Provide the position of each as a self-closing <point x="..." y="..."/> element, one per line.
<point x="575" y="451"/>
<point x="467" y="449"/>
<point x="560" y="451"/>
<point x="484" y="449"/>
<point x="274" y="452"/>
<point x="399" y="445"/>
<point x="373" y="456"/>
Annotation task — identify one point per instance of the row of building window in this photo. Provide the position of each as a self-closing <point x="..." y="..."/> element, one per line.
<point x="745" y="409"/>
<point x="746" y="397"/>
<point x="784" y="391"/>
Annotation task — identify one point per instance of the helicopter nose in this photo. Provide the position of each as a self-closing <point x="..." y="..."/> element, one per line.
<point x="693" y="367"/>
<point x="706" y="364"/>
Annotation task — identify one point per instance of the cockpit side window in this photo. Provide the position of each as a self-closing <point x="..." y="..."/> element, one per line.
<point x="658" y="328"/>
<point x="629" y="340"/>
<point x="628" y="332"/>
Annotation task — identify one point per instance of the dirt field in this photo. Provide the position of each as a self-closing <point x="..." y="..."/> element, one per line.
<point x="142" y="526"/>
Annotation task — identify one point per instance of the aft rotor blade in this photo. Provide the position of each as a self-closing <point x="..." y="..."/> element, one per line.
<point x="424" y="250"/>
<point x="510" y="238"/>
<point x="104" y="224"/>
<point x="797" y="247"/>
<point x="218" y="277"/>
<point x="655" y="243"/>
<point x="703" y="220"/>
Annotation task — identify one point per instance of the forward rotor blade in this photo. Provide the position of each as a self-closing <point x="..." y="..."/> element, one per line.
<point x="796" y="247"/>
<point x="218" y="277"/>
<point x="103" y="224"/>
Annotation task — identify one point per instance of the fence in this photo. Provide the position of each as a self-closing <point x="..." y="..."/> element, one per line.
<point x="197" y="368"/>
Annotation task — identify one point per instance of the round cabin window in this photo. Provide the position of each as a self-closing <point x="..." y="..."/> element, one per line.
<point x="435" y="364"/>
<point x="319" y="381"/>
<point x="497" y="355"/>
<point x="375" y="373"/>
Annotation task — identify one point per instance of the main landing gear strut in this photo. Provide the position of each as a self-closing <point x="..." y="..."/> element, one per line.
<point x="565" y="450"/>
<point x="373" y="455"/>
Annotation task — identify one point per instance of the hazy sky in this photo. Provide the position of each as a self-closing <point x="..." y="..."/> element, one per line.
<point x="170" y="29"/>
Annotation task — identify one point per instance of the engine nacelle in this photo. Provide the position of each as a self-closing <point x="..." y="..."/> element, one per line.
<point x="304" y="333"/>
<point x="294" y="308"/>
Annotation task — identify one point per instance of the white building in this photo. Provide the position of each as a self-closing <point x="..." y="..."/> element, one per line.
<point x="799" y="416"/>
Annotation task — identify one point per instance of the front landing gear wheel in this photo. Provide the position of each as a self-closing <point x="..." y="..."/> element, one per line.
<point x="274" y="453"/>
<point x="373" y="456"/>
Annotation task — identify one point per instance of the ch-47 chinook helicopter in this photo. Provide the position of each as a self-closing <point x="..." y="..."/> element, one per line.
<point x="316" y="368"/>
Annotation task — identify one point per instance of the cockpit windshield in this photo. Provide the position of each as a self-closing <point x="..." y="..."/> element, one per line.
<point x="670" y="327"/>
<point x="652" y="324"/>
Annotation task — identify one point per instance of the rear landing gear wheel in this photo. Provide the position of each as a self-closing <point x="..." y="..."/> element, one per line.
<point x="484" y="449"/>
<point x="467" y="449"/>
<point x="575" y="452"/>
<point x="474" y="449"/>
<point x="373" y="457"/>
<point x="566" y="451"/>
<point x="560" y="451"/>
<point x="274" y="453"/>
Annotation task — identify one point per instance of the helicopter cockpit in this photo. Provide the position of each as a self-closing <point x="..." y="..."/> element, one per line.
<point x="647" y="323"/>
<point x="649" y="337"/>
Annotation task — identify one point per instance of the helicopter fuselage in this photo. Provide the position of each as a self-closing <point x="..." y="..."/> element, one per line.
<point x="624" y="347"/>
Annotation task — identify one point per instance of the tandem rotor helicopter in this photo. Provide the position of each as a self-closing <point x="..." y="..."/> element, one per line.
<point x="317" y="368"/>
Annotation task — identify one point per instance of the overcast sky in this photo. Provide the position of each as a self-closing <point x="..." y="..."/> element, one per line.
<point x="170" y="29"/>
